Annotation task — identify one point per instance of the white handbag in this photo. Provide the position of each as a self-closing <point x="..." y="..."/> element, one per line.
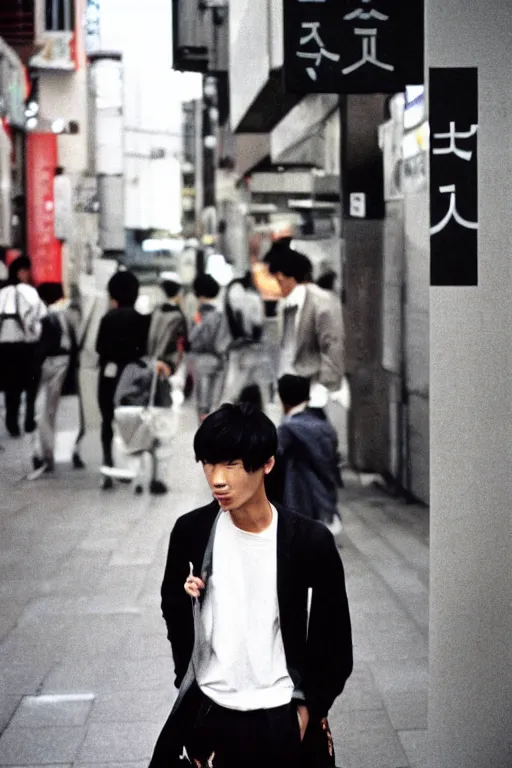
<point x="145" y="428"/>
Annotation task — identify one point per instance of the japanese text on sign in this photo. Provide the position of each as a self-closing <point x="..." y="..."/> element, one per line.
<point x="352" y="46"/>
<point x="453" y="176"/>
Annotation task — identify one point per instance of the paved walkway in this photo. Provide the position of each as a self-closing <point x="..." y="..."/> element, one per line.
<point x="85" y="667"/>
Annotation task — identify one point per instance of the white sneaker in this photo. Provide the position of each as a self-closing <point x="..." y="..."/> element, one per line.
<point x="37" y="473"/>
<point x="336" y="527"/>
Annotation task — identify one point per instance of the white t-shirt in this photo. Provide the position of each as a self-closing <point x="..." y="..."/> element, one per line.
<point x="23" y="300"/>
<point x="243" y="663"/>
<point x="287" y="353"/>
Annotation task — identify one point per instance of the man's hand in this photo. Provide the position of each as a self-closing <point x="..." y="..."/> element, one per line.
<point x="162" y="369"/>
<point x="193" y="584"/>
<point x="303" y="716"/>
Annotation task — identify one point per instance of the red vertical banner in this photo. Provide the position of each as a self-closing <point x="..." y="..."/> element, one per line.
<point x="44" y="250"/>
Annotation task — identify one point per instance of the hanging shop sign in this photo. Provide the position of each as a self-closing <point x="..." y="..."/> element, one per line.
<point x="44" y="248"/>
<point x="57" y="50"/>
<point x="453" y="176"/>
<point x="352" y="46"/>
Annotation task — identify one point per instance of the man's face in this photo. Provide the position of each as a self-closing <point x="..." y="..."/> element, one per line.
<point x="286" y="284"/>
<point x="24" y="275"/>
<point x="232" y="485"/>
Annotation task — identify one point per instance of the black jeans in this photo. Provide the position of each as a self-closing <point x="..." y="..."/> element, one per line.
<point x="25" y="375"/>
<point x="106" y="392"/>
<point x="262" y="738"/>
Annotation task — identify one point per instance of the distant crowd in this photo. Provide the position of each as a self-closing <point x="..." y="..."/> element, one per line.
<point x="156" y="360"/>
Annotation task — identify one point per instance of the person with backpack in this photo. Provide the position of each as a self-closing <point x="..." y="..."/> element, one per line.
<point x="58" y="351"/>
<point x="21" y="314"/>
<point x="209" y="342"/>
<point x="168" y="331"/>
<point x="245" y="314"/>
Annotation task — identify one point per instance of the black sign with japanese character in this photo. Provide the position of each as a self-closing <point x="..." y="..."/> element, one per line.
<point x="352" y="46"/>
<point x="453" y="118"/>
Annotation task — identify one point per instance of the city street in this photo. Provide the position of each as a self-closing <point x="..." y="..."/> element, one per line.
<point x="85" y="667"/>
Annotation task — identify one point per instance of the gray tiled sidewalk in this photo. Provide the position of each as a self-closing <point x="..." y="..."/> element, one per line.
<point x="85" y="668"/>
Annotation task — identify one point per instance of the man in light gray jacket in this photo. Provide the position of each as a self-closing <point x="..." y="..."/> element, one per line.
<point x="310" y="326"/>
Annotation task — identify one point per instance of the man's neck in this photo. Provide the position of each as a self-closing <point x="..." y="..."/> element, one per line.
<point x="255" y="516"/>
<point x="296" y="409"/>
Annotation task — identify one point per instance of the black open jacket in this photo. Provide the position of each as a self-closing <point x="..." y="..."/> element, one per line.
<point x="319" y="658"/>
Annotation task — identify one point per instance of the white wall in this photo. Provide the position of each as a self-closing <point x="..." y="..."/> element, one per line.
<point x="470" y="700"/>
<point x="65" y="96"/>
<point x="249" y="54"/>
<point x="153" y="93"/>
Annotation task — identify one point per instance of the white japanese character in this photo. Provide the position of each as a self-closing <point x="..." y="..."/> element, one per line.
<point x="317" y="57"/>
<point x="369" y="52"/>
<point x="452" y="213"/>
<point x="452" y="135"/>
<point x="369" y="39"/>
<point x="360" y="13"/>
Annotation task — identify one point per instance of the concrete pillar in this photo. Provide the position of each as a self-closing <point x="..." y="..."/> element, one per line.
<point x="362" y="233"/>
<point x="470" y="702"/>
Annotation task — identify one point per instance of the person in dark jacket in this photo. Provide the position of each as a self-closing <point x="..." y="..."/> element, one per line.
<point x="264" y="646"/>
<point x="308" y="455"/>
<point x="122" y="339"/>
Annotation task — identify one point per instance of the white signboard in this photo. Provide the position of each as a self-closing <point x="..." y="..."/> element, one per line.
<point x="358" y="204"/>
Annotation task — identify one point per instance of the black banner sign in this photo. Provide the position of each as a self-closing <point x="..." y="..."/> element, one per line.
<point x="352" y="46"/>
<point x="453" y="117"/>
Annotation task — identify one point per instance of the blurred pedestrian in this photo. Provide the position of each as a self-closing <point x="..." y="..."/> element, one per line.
<point x="57" y="350"/>
<point x="4" y="272"/>
<point x="308" y="456"/>
<point x="21" y="313"/>
<point x="310" y="326"/>
<point x="247" y="357"/>
<point x="255" y="603"/>
<point x="209" y="342"/>
<point x="122" y="339"/>
<point x="168" y="332"/>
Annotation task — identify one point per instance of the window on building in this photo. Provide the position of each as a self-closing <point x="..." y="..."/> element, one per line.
<point x="59" y="15"/>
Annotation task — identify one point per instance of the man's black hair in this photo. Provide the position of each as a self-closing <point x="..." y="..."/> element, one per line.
<point x="21" y="262"/>
<point x="291" y="263"/>
<point x="206" y="286"/>
<point x="251" y="394"/>
<point x="51" y="292"/>
<point x="170" y="288"/>
<point x="123" y="287"/>
<point x="327" y="280"/>
<point x="293" y="390"/>
<point x="236" y="433"/>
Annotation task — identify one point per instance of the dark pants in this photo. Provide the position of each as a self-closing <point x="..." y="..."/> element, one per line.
<point x="263" y="738"/>
<point x="106" y="392"/>
<point x="22" y="373"/>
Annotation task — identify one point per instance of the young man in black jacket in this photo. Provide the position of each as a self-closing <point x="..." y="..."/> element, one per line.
<point x="256" y="610"/>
